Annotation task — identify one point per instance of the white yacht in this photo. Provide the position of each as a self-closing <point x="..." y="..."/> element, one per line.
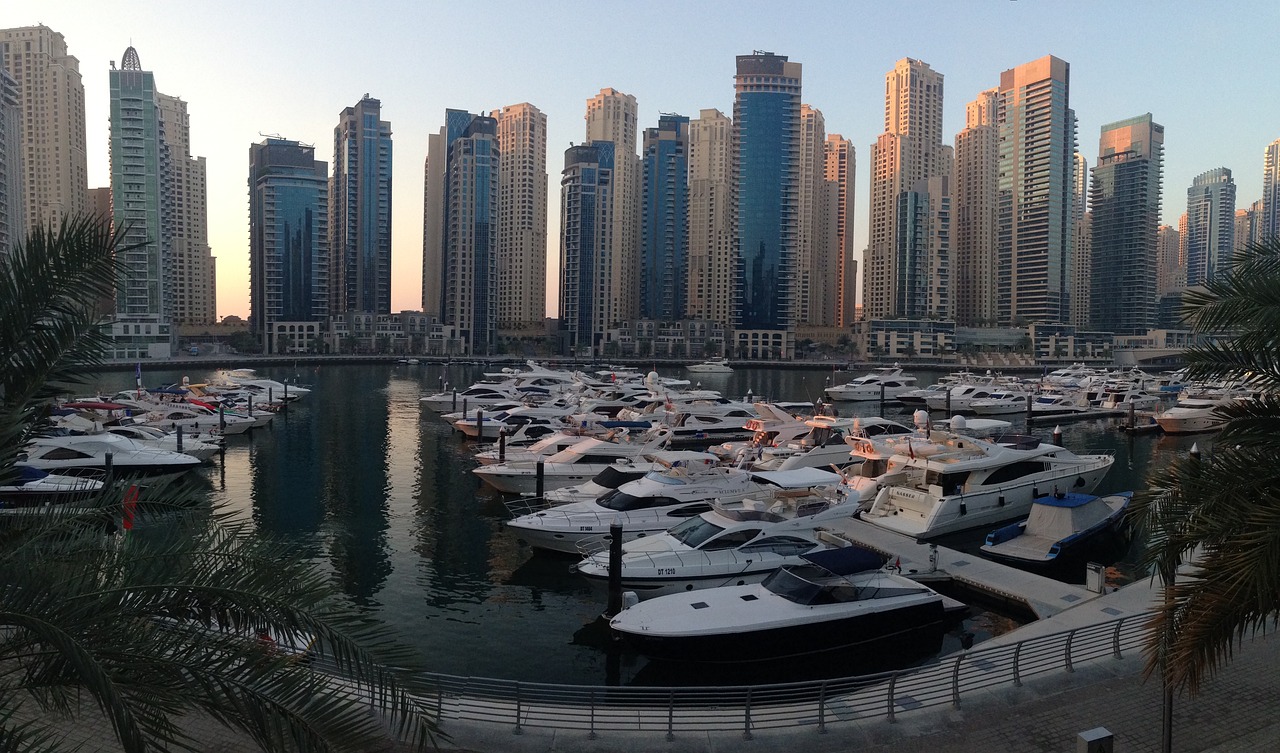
<point x="947" y="482"/>
<point x="773" y="427"/>
<point x="543" y="448"/>
<point x="650" y="505"/>
<point x="710" y="366"/>
<point x="734" y="543"/>
<point x="1059" y="404"/>
<point x="1000" y="403"/>
<point x="1190" y="415"/>
<point x="79" y="455"/>
<point x="487" y="425"/>
<point x="36" y="488"/>
<point x="823" y="446"/>
<point x="149" y="436"/>
<point x="839" y="599"/>
<point x="192" y="417"/>
<point x="572" y="465"/>
<point x="248" y="379"/>
<point x="892" y="379"/>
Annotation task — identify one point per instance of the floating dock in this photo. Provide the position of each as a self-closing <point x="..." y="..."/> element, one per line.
<point x="1043" y="597"/>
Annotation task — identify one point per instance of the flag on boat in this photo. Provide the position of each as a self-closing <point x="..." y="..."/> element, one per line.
<point x="137" y="378"/>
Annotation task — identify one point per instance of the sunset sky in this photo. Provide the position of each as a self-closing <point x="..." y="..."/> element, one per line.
<point x="1204" y="70"/>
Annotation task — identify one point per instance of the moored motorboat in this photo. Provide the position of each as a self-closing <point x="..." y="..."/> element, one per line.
<point x="710" y="366"/>
<point x="839" y="599"/>
<point x="887" y="382"/>
<point x="1060" y="528"/>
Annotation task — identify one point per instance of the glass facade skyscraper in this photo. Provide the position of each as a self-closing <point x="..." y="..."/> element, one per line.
<point x="766" y="151"/>
<point x="360" y="211"/>
<point x="664" y="256"/>
<point x="1125" y="225"/>
<point x="586" y="209"/>
<point x="288" y="236"/>
<point x="1211" y="228"/>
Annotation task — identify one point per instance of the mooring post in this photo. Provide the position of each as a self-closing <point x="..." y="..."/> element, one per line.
<point x="882" y="400"/>
<point x="1028" y="411"/>
<point x="615" y="569"/>
<point x="502" y="445"/>
<point x="179" y="439"/>
<point x="539" y="480"/>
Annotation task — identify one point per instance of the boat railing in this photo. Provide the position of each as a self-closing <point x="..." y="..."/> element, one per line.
<point x="817" y="705"/>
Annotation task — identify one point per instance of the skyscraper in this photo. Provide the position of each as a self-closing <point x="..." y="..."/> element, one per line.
<point x="711" y="220"/>
<point x="611" y="116"/>
<point x="841" y="167"/>
<point x="976" y="188"/>
<point x="923" y="252"/>
<point x="1248" y="229"/>
<point x="522" y="219"/>
<point x="1170" y="274"/>
<point x="360" y="211"/>
<point x="587" y="281"/>
<point x="909" y="151"/>
<point x="1037" y="142"/>
<point x="13" y="216"/>
<point x="1081" y="246"/>
<point x="811" y="254"/>
<point x="1124" y="194"/>
<point x="463" y="165"/>
<point x="664" y="258"/>
<point x="53" y="137"/>
<point x="141" y="177"/>
<point x="766" y="187"/>
<point x="1210" y="235"/>
<point x="288" y="237"/>
<point x="1269" y="224"/>
<point x="194" y="291"/>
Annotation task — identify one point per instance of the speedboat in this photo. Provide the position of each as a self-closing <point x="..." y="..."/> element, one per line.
<point x="487" y="425"/>
<point x="839" y="599"/>
<point x="999" y="403"/>
<point x="1059" y="404"/>
<point x="572" y="465"/>
<point x="79" y="455"/>
<point x="35" y="488"/>
<point x="887" y="382"/>
<point x="710" y="366"/>
<point x="734" y="543"/>
<point x="949" y="482"/>
<point x="149" y="436"/>
<point x="644" y="507"/>
<point x="823" y="446"/>
<point x="542" y="448"/>
<point x="1190" y="415"/>
<point x="1060" y="527"/>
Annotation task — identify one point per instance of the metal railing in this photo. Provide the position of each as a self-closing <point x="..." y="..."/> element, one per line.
<point x="816" y="704"/>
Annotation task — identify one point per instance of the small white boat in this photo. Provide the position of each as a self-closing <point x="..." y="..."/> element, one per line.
<point x="1059" y="528"/>
<point x="710" y="366"/>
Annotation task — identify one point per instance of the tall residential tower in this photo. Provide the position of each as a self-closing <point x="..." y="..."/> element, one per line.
<point x="711" y="223"/>
<point x="360" y="211"/>
<point x="522" y="219"/>
<point x="611" y="116"/>
<point x="588" y="286"/>
<point x="976" y="189"/>
<point x="664" y="257"/>
<point x="1210" y="235"/>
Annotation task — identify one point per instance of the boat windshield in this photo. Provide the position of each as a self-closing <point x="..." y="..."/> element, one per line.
<point x="794" y="584"/>
<point x="623" y="502"/>
<point x="694" y="531"/>
<point x="612" y="478"/>
<point x="873" y="467"/>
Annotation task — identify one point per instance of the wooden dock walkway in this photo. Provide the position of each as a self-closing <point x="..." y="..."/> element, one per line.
<point x="1043" y="597"/>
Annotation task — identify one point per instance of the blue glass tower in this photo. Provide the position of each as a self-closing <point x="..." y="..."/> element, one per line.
<point x="360" y="202"/>
<point x="766" y="149"/>
<point x="586" y="202"/>
<point x="664" y="259"/>
<point x="288" y="235"/>
<point x="471" y="226"/>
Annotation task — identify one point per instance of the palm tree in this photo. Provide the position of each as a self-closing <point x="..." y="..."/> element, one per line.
<point x="190" y="614"/>
<point x="1221" y="517"/>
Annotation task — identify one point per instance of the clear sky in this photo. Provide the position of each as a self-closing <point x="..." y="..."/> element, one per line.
<point x="1205" y="70"/>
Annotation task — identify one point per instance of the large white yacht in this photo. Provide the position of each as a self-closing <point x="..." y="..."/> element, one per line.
<point x="892" y="379"/>
<point x="710" y="366"/>
<point x="1190" y="415"/>
<point x="948" y="482"/>
<point x="572" y="465"/>
<point x="82" y="454"/>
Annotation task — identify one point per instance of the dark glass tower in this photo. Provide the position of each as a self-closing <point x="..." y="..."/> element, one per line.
<point x="360" y="206"/>
<point x="664" y="259"/>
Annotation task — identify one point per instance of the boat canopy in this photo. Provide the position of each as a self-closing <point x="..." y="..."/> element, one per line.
<point x="1059" y="516"/>
<point x="798" y="478"/>
<point x="846" y="560"/>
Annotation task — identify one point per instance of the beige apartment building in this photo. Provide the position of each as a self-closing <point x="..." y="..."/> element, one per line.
<point x="710" y="218"/>
<point x="840" y="167"/>
<point x="976" y="186"/>
<point x="52" y="99"/>
<point x="612" y="116"/>
<point x="193" y="288"/>
<point x="522" y="220"/>
<point x="909" y="151"/>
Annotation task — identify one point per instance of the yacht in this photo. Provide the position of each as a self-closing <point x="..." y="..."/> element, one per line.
<point x="572" y="465"/>
<point x="839" y="599"/>
<point x="650" y="505"/>
<point x="774" y="426"/>
<point x="542" y="448"/>
<point x="1061" y="528"/>
<point x="1000" y="403"/>
<point x="710" y="366"/>
<point x="35" y="488"/>
<point x="887" y="381"/>
<point x="489" y="425"/>
<point x="948" y="482"/>
<point x="248" y="379"/>
<point x="823" y="446"/>
<point x="88" y="455"/>
<point x="149" y="436"/>
<point x="192" y="417"/>
<point x="1190" y="415"/>
<point x="1124" y="398"/>
<point x="1059" y="404"/>
<point x="734" y="543"/>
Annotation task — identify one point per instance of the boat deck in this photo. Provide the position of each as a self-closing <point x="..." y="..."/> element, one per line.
<point x="1044" y="597"/>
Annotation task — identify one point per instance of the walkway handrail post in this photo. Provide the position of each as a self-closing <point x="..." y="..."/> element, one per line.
<point x="955" y="682"/>
<point x="1017" y="652"/>
<point x="1116" y="639"/>
<point x="592" y="734"/>
<point x="822" y="708"/>
<point x="671" y="715"/>
<point x="746" y="716"/>
<point x="1070" y="635"/>
<point x="517" y="730"/>
<point x="893" y="681"/>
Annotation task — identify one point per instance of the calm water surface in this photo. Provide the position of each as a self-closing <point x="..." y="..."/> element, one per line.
<point x="378" y="491"/>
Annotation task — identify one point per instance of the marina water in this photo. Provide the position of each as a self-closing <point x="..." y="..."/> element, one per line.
<point x="377" y="491"/>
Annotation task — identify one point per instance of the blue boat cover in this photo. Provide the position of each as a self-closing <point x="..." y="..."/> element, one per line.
<point x="1074" y="499"/>
<point x="846" y="560"/>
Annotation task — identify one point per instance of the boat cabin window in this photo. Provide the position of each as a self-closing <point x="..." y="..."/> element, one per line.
<point x="694" y="531"/>
<point x="623" y="502"/>
<point x="63" y="453"/>
<point x="819" y="436"/>
<point x="612" y="478"/>
<point x="877" y="430"/>
<point x="873" y="467"/>
<point x="597" y="459"/>
<point x="731" y="540"/>
<point x="1014" y="471"/>
<point x="785" y="546"/>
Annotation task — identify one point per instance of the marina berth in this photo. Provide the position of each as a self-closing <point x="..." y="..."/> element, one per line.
<point x="888" y="382"/>
<point x="839" y="599"/>
<point x="1061" y="528"/>
<point x="947" y="482"/>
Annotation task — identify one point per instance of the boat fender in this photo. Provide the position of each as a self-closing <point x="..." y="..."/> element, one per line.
<point x="1079" y="481"/>
<point x="1000" y="501"/>
<point x="963" y="509"/>
<point x="629" y="599"/>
